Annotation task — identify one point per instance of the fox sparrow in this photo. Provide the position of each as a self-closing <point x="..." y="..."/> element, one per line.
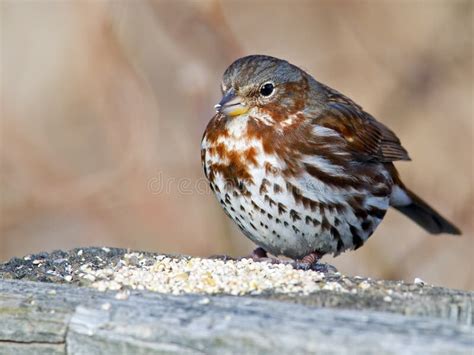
<point x="302" y="169"/>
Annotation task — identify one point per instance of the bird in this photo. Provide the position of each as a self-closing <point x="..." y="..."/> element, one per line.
<point x="302" y="169"/>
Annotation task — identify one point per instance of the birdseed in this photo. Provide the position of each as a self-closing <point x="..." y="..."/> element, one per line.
<point x="202" y="276"/>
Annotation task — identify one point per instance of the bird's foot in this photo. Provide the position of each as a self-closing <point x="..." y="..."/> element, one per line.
<point x="310" y="262"/>
<point x="258" y="253"/>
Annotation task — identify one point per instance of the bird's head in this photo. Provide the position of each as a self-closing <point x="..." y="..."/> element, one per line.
<point x="262" y="82"/>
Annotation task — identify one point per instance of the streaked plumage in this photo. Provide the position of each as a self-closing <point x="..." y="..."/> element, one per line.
<point x="303" y="170"/>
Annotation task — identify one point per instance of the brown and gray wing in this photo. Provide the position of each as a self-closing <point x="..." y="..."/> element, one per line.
<point x="367" y="138"/>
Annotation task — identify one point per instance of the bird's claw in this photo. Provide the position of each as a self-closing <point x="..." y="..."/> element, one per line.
<point x="319" y="267"/>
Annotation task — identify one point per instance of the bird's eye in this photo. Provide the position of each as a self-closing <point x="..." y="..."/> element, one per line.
<point x="267" y="89"/>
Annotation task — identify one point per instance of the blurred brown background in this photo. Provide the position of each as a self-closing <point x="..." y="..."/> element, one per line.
<point x="103" y="105"/>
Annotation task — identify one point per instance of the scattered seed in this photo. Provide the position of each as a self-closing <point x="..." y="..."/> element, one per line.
<point x="419" y="282"/>
<point x="202" y="276"/>
<point x="122" y="295"/>
<point x="387" y="299"/>
<point x="105" y="306"/>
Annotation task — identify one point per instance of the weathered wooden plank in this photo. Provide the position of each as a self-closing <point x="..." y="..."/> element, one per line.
<point x="13" y="348"/>
<point x="405" y="298"/>
<point x="95" y="323"/>
<point x="226" y="325"/>
<point x="429" y="301"/>
<point x="23" y="308"/>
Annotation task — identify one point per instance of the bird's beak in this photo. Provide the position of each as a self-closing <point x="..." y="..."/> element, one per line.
<point x="231" y="105"/>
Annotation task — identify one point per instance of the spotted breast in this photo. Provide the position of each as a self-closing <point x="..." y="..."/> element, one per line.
<point x="287" y="202"/>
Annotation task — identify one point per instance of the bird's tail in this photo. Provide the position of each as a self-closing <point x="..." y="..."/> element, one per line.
<point x="421" y="213"/>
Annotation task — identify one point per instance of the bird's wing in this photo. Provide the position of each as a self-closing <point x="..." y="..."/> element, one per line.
<point x="367" y="138"/>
